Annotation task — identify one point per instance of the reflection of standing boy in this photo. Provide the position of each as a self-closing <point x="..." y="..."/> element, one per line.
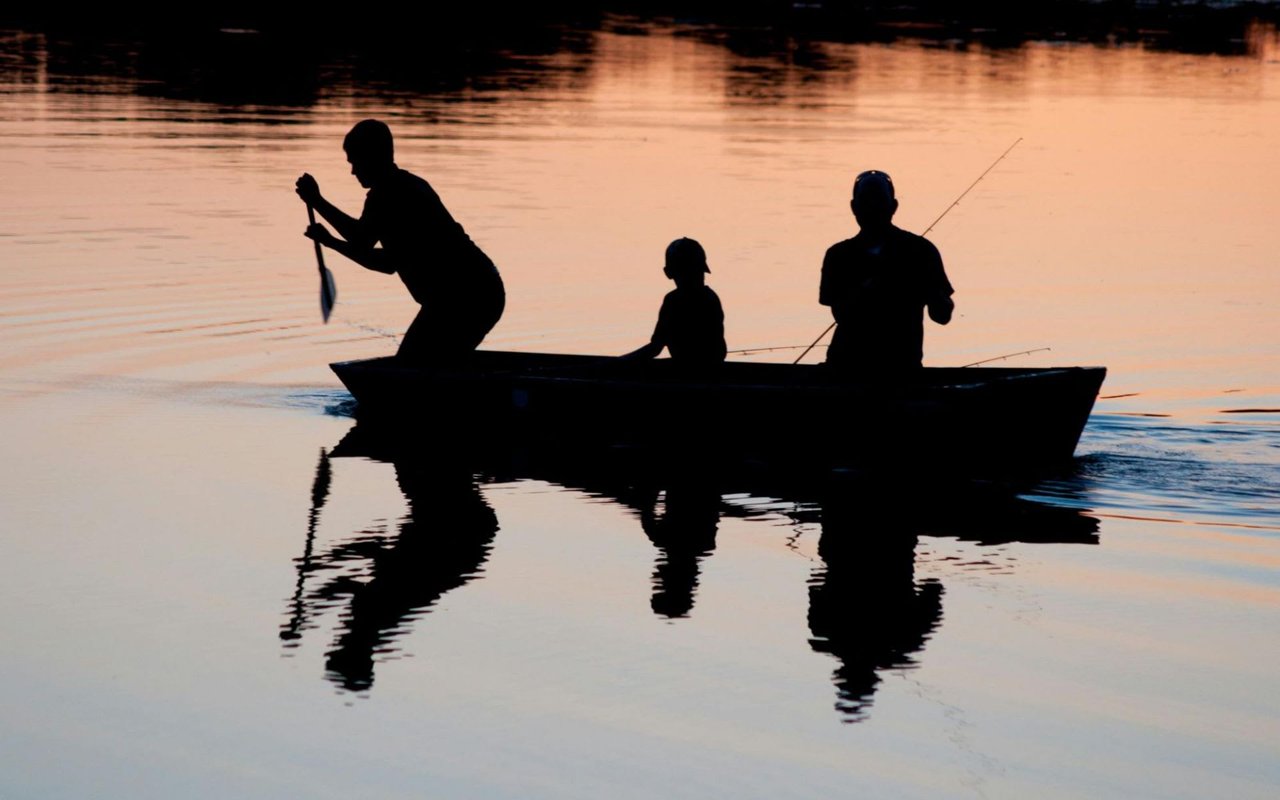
<point x="691" y="320"/>
<point x="878" y="284"/>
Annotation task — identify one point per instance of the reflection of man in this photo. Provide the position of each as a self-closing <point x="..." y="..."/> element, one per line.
<point x="442" y="544"/>
<point x="865" y="606"/>
<point x="456" y="284"/>
<point x="878" y="284"/>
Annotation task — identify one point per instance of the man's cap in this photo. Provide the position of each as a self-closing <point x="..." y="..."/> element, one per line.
<point x="873" y="185"/>
<point x="686" y="253"/>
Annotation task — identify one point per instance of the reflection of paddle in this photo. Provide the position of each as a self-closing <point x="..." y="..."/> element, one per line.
<point x="328" y="291"/>
<point x="319" y="491"/>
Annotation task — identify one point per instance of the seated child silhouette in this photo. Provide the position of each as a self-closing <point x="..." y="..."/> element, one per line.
<point x="691" y="321"/>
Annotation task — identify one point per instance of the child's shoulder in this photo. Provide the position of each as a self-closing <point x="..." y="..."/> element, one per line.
<point x="691" y="294"/>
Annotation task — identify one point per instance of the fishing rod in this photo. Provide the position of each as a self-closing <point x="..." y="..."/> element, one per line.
<point x="751" y="350"/>
<point x="955" y="203"/>
<point x="1010" y="355"/>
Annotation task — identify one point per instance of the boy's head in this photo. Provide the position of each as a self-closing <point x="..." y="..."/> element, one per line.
<point x="370" y="150"/>
<point x="686" y="260"/>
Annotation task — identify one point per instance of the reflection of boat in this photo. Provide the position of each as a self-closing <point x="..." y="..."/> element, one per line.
<point x="868" y="609"/>
<point x="991" y="418"/>
<point x="984" y="512"/>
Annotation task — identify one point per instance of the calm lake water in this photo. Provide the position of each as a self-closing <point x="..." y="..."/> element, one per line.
<point x="200" y="598"/>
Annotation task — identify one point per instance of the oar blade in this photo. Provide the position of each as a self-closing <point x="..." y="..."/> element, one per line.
<point x="328" y="293"/>
<point x="328" y="290"/>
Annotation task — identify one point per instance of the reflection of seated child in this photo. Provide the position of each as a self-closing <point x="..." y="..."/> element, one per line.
<point x="691" y="321"/>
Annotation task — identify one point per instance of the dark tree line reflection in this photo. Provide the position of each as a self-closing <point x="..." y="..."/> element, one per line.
<point x="867" y="609"/>
<point x="256" y="57"/>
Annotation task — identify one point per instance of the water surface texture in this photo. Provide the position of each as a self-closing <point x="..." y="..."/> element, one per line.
<point x="217" y="585"/>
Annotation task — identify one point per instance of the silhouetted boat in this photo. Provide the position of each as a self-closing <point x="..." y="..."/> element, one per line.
<point x="952" y="418"/>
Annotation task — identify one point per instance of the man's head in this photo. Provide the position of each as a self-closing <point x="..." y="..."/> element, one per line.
<point x="873" y="201"/>
<point x="685" y="261"/>
<point x="369" y="150"/>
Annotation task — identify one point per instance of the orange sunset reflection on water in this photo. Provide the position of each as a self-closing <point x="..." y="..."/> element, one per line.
<point x="193" y="529"/>
<point x="1130" y="227"/>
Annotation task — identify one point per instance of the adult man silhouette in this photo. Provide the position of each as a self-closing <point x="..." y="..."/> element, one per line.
<point x="879" y="283"/>
<point x="457" y="285"/>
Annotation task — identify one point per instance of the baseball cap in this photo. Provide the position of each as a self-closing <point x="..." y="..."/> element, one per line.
<point x="873" y="185"/>
<point x="686" y="253"/>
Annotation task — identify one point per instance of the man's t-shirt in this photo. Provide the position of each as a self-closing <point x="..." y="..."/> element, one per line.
<point x="431" y="252"/>
<point x="878" y="298"/>
<point x="691" y="325"/>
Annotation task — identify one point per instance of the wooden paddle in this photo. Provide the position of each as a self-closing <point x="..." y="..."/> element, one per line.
<point x="328" y="291"/>
<point x="319" y="491"/>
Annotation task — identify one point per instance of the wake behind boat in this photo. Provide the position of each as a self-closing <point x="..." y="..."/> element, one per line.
<point x="1000" y="420"/>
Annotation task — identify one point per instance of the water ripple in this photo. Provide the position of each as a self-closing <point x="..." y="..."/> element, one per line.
<point x="1212" y="473"/>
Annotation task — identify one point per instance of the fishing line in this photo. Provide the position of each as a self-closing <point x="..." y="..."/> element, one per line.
<point x="395" y="337"/>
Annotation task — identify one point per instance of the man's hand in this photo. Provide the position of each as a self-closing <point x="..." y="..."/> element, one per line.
<point x="940" y="310"/>
<point x="319" y="233"/>
<point x="308" y="189"/>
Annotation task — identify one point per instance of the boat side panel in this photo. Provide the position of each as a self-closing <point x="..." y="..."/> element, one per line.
<point x="959" y="419"/>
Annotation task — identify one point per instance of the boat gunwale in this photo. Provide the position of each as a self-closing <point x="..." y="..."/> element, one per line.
<point x="556" y="373"/>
